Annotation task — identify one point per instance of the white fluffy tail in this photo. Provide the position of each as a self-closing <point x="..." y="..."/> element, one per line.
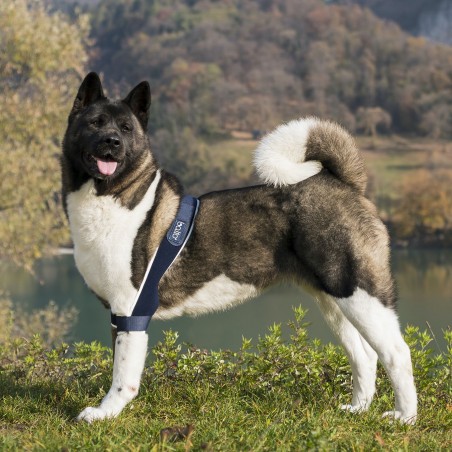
<point x="280" y="157"/>
<point x="300" y="149"/>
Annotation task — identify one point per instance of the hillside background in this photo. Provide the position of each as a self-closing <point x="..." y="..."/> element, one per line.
<point x="429" y="18"/>
<point x="218" y="66"/>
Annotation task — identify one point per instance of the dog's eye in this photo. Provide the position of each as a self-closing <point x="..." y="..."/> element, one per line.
<point x="95" y="122"/>
<point x="126" y="128"/>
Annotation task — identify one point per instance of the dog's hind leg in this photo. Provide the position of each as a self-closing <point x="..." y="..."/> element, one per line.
<point x="379" y="326"/>
<point x="363" y="359"/>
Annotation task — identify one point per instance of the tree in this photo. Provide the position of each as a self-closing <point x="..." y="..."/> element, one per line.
<point x="42" y="58"/>
<point x="369" y="120"/>
<point x="425" y="210"/>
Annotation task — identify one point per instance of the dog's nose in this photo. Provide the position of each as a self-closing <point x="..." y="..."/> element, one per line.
<point x="113" y="141"/>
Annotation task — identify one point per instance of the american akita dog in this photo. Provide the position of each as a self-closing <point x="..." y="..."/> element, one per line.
<point x="309" y="224"/>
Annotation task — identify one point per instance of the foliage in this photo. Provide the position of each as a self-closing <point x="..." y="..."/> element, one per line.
<point x="430" y="18"/>
<point x="42" y="58"/>
<point x="424" y="212"/>
<point x="50" y="323"/>
<point x="195" y="161"/>
<point x="279" y="396"/>
<point x="368" y="120"/>
<point x="222" y="66"/>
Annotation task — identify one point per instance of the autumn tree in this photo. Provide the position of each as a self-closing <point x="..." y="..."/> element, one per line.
<point x="42" y="58"/>
<point x="424" y="213"/>
<point x="369" y="120"/>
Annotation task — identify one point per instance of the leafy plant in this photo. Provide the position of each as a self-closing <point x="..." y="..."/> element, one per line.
<point x="272" y="395"/>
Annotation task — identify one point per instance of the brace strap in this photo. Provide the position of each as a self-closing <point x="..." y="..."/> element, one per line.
<point x="173" y="243"/>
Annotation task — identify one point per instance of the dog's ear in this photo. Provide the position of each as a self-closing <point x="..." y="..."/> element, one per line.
<point x="139" y="101"/>
<point x="90" y="90"/>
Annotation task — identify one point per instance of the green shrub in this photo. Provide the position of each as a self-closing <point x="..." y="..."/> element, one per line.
<point x="274" y="395"/>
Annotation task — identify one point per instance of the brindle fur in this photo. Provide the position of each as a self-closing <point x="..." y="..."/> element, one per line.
<point x="262" y="235"/>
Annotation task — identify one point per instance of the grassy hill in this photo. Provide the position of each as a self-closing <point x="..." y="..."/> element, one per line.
<point x="281" y="396"/>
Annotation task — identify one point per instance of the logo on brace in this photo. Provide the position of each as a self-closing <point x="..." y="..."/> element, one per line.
<point x="177" y="230"/>
<point x="177" y="233"/>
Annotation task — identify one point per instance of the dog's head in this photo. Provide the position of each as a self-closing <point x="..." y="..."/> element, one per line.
<point x="105" y="138"/>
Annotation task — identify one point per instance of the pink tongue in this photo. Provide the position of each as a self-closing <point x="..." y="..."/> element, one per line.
<point x="106" y="168"/>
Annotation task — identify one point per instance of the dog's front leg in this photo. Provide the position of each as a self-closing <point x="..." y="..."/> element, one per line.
<point x="129" y="357"/>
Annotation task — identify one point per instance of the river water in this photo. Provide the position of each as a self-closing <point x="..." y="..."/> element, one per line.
<point x="424" y="280"/>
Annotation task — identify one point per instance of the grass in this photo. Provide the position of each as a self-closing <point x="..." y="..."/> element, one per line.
<point x="235" y="153"/>
<point x="276" y="396"/>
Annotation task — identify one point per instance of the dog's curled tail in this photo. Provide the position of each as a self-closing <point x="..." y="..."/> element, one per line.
<point x="301" y="148"/>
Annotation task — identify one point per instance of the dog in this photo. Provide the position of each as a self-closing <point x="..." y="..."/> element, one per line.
<point x="308" y="223"/>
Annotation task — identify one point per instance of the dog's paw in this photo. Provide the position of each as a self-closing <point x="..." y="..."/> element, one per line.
<point x="404" y="419"/>
<point x="91" y="414"/>
<point x="354" y="408"/>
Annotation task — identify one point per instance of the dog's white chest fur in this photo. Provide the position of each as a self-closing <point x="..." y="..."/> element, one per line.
<point x="104" y="232"/>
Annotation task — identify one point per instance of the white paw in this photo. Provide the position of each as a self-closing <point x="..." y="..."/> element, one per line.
<point x="91" y="414"/>
<point x="354" y="408"/>
<point x="410" y="420"/>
